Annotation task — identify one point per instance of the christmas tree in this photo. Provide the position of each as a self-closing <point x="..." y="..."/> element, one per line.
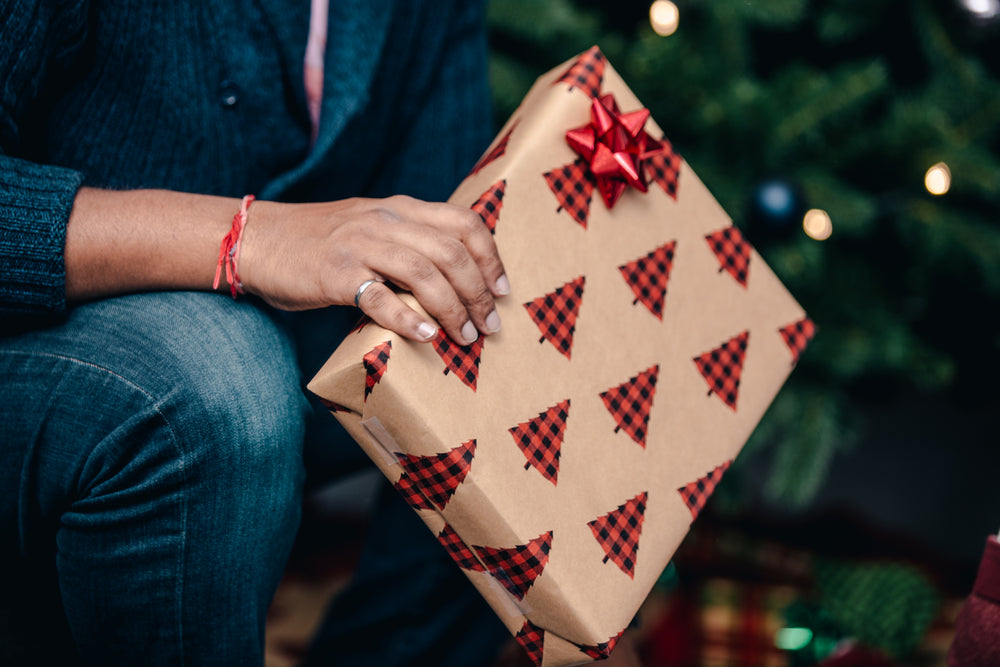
<point x="855" y="146"/>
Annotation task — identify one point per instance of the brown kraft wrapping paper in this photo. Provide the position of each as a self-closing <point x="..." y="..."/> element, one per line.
<point x="562" y="460"/>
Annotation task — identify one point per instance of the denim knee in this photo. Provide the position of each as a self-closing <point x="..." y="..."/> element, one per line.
<point x="177" y="423"/>
<point x="225" y="379"/>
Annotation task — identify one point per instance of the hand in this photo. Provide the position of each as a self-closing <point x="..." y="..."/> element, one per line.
<point x="299" y="256"/>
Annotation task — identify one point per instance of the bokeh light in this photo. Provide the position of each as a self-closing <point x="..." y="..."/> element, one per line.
<point x="664" y="17"/>
<point x="982" y="9"/>
<point x="817" y="224"/>
<point x="937" y="180"/>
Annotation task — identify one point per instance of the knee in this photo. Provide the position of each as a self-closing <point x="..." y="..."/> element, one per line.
<point x="239" y="409"/>
<point x="244" y="445"/>
<point x="222" y="377"/>
<point x="160" y="402"/>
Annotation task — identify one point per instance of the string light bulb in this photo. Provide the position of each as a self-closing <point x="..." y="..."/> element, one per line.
<point x="937" y="180"/>
<point x="982" y="9"/>
<point x="664" y="17"/>
<point x="817" y="224"/>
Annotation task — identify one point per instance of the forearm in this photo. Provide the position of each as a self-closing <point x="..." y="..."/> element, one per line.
<point x="293" y="256"/>
<point x="141" y="240"/>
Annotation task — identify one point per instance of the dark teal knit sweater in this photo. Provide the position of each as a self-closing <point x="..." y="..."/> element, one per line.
<point x="207" y="96"/>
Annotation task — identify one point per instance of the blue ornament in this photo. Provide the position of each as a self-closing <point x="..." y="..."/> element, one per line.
<point x="777" y="201"/>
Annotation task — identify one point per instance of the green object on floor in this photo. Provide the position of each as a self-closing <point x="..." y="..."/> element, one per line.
<point x="824" y="633"/>
<point x="884" y="605"/>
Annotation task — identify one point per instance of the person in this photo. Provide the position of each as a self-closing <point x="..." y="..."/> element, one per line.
<point x="156" y="435"/>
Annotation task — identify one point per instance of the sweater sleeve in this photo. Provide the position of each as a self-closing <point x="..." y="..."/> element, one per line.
<point x="37" y="39"/>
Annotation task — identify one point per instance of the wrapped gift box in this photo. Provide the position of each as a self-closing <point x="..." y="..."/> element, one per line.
<point x="561" y="461"/>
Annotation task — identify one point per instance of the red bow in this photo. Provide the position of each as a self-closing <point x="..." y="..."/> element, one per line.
<point x="616" y="146"/>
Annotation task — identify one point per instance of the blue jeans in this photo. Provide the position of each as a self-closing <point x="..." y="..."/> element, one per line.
<point x="151" y="463"/>
<point x="152" y="467"/>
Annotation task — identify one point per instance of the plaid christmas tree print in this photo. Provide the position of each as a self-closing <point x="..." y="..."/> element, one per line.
<point x="375" y="363"/>
<point x="517" y="568"/>
<point x="494" y="152"/>
<point x="540" y="440"/>
<point x="555" y="314"/>
<point x="797" y="336"/>
<point x="732" y="251"/>
<point x="573" y="186"/>
<point x="586" y="73"/>
<point x="489" y="204"/>
<point x="459" y="550"/>
<point x="432" y="480"/>
<point x="648" y="276"/>
<point x="697" y="493"/>
<point x="618" y="533"/>
<point x="723" y="366"/>
<point x="664" y="168"/>
<point x="531" y="638"/>
<point x="630" y="402"/>
<point x="601" y="650"/>
<point x="462" y="360"/>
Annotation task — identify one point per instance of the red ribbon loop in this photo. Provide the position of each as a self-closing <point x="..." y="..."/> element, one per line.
<point x="616" y="146"/>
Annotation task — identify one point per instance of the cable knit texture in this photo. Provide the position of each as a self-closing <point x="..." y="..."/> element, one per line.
<point x="208" y="97"/>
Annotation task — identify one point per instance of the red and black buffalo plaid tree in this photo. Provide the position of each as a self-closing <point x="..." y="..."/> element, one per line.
<point x="630" y="402"/>
<point x="664" y="168"/>
<point x="555" y="314"/>
<point x="732" y="251"/>
<point x="463" y="360"/>
<point x="375" y="363"/>
<point x="697" y="493"/>
<point x="601" y="650"/>
<point x="618" y="533"/>
<point x="532" y="639"/>
<point x="489" y="204"/>
<point x="797" y="336"/>
<point x="459" y="550"/>
<point x="573" y="186"/>
<point x="648" y="277"/>
<point x="494" y="152"/>
<point x="540" y="440"/>
<point x="516" y="568"/>
<point x="723" y="366"/>
<point x="586" y="73"/>
<point x="432" y="480"/>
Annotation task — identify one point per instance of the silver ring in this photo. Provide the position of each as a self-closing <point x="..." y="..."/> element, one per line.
<point x="361" y="290"/>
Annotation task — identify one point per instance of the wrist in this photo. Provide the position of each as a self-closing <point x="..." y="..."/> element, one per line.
<point x="260" y="218"/>
<point x="229" y="250"/>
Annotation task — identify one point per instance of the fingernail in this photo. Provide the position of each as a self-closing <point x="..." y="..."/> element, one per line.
<point x="469" y="333"/>
<point x="503" y="285"/>
<point x="493" y="322"/>
<point x="426" y="331"/>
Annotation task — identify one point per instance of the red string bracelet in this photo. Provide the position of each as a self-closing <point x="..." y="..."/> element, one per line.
<point x="229" y="251"/>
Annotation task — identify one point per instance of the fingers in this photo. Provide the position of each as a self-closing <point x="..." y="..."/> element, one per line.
<point x="466" y="226"/>
<point x="440" y="291"/>
<point x="446" y="257"/>
<point x="440" y="272"/>
<point x="388" y="310"/>
<point x="321" y="254"/>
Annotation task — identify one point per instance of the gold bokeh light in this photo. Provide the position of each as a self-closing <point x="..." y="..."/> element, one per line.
<point x="664" y="17"/>
<point x="817" y="224"/>
<point x="937" y="180"/>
